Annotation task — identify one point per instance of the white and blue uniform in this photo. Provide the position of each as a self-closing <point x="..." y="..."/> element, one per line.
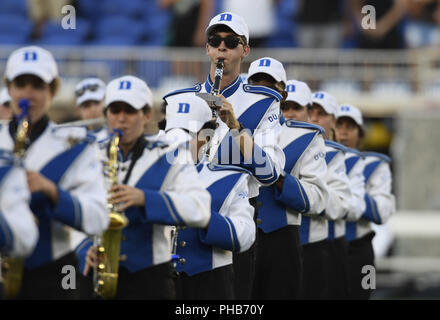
<point x="304" y="195"/>
<point x="18" y="231"/>
<point x="337" y="207"/>
<point x="76" y="171"/>
<point x="257" y="108"/>
<point x="173" y="196"/>
<point x="338" y="189"/>
<point x="231" y="228"/>
<point x="354" y="164"/>
<point x="302" y="198"/>
<point x="379" y="201"/>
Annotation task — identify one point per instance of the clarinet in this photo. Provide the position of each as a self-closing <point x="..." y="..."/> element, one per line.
<point x="216" y="87"/>
<point x="211" y="98"/>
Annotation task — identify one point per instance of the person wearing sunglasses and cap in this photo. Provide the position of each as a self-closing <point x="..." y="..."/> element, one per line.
<point x="90" y="102"/>
<point x="322" y="112"/>
<point x="378" y="202"/>
<point x="63" y="173"/>
<point x="204" y="265"/>
<point x="5" y="105"/>
<point x="157" y="186"/>
<point x="247" y="132"/>
<point x="298" y="197"/>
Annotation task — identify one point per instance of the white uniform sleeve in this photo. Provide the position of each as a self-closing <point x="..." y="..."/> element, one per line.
<point x="17" y="220"/>
<point x="338" y="188"/>
<point x="312" y="175"/>
<point x="357" y="185"/>
<point x="379" y="189"/>
<point x="182" y="200"/>
<point x="241" y="213"/>
<point x="82" y="195"/>
<point x="306" y="191"/>
<point x="233" y="228"/>
<point x="266" y="137"/>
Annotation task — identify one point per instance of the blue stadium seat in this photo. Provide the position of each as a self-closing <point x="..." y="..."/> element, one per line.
<point x="122" y="29"/>
<point x="117" y="7"/>
<point x="53" y="33"/>
<point x="155" y="23"/>
<point x="15" y="7"/>
<point x="15" y="25"/>
<point x="89" y="9"/>
<point x="10" y="39"/>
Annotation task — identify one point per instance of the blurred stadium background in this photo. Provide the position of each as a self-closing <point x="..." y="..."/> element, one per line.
<point x="393" y="76"/>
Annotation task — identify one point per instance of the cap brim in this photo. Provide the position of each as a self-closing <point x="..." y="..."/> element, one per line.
<point x="349" y="116"/>
<point x="183" y="123"/>
<point x="94" y="96"/>
<point x="301" y="102"/>
<point x="41" y="75"/>
<point x="326" y="109"/>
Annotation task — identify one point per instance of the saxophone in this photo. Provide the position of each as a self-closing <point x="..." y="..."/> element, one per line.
<point x="12" y="267"/>
<point x="109" y="243"/>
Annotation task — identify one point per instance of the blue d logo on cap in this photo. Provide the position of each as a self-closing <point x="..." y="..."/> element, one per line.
<point x="183" y="108"/>
<point x="345" y="108"/>
<point x="225" y="17"/>
<point x="290" y="88"/>
<point x="264" y="63"/>
<point x="30" y="56"/>
<point x="319" y="95"/>
<point x="124" y="85"/>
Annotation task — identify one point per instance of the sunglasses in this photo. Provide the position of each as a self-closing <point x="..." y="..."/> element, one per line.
<point x="231" y="42"/>
<point x="87" y="87"/>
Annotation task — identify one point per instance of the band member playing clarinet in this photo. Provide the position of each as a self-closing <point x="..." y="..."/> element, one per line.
<point x="248" y="125"/>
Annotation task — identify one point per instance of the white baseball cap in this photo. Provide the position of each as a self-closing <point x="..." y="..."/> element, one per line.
<point x="269" y="66"/>
<point x="327" y="101"/>
<point x="4" y="96"/>
<point x="299" y="92"/>
<point x="31" y="60"/>
<point x="89" y="89"/>
<point x="347" y="110"/>
<point x="235" y="22"/>
<point x="187" y="111"/>
<point x="129" y="89"/>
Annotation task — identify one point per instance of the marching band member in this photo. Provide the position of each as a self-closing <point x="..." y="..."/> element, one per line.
<point x="90" y="94"/>
<point x="244" y="107"/>
<point x="304" y="147"/>
<point x="157" y="186"/>
<point x="63" y="174"/>
<point x="377" y="199"/>
<point x="204" y="266"/>
<point x="323" y="113"/>
<point x="301" y="190"/>
<point x="5" y="105"/>
<point x="18" y="231"/>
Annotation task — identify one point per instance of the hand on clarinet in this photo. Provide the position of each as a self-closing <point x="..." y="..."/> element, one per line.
<point x="226" y="113"/>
